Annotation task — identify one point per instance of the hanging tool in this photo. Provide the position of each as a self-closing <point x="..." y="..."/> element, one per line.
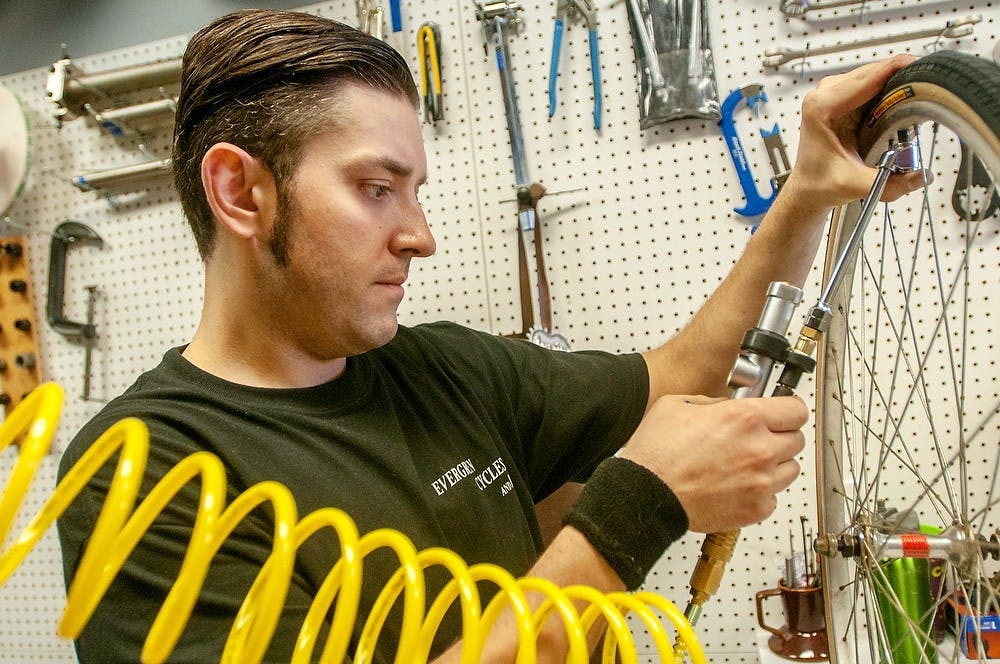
<point x="800" y="7"/>
<point x="756" y="204"/>
<point x="971" y="178"/>
<point x="649" y="62"/>
<point x="781" y="167"/>
<point x="543" y="334"/>
<point x="67" y="234"/>
<point x="429" y="53"/>
<point x="396" y="26"/>
<point x="122" y="176"/>
<point x="70" y="89"/>
<point x="496" y="17"/>
<point x="963" y="27"/>
<point x="673" y="54"/>
<point x="122" y="121"/>
<point x="370" y="18"/>
<point x="588" y="10"/>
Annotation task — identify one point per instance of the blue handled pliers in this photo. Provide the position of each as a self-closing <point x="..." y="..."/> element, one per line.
<point x="588" y="10"/>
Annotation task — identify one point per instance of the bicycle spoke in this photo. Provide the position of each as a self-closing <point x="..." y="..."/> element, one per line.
<point x="907" y="440"/>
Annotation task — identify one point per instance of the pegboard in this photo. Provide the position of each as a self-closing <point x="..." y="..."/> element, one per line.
<point x="638" y="225"/>
<point x="19" y="362"/>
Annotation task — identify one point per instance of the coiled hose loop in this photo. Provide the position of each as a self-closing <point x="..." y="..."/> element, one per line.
<point x="121" y="525"/>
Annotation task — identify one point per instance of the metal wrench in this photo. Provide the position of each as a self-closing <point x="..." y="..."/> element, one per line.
<point x="800" y="7"/>
<point x="775" y="57"/>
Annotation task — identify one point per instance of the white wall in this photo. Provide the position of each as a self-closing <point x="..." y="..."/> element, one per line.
<point x="630" y="256"/>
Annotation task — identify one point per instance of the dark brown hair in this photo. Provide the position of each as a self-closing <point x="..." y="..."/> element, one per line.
<point x="256" y="78"/>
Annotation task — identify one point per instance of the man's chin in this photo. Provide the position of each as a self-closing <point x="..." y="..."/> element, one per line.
<point x="377" y="336"/>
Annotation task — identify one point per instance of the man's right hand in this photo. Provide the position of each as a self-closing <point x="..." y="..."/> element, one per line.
<point x="724" y="459"/>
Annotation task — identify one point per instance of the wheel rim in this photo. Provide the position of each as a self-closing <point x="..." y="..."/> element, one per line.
<point x="908" y="406"/>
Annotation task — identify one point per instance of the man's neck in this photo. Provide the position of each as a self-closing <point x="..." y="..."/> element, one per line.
<point x="261" y="364"/>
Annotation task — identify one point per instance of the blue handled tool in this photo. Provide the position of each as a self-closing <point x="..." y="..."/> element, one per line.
<point x="752" y="94"/>
<point x="588" y="11"/>
<point x="396" y="23"/>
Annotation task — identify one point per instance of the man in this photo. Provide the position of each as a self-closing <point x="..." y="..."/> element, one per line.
<point x="298" y="159"/>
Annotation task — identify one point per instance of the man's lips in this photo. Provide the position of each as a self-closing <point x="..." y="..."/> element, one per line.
<point x="392" y="279"/>
<point x="394" y="285"/>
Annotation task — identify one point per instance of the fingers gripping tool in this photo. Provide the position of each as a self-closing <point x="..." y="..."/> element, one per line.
<point x="588" y="10"/>
<point x="756" y="204"/>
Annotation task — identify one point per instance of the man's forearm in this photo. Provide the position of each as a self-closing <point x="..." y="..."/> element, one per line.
<point x="698" y="359"/>
<point x="569" y="560"/>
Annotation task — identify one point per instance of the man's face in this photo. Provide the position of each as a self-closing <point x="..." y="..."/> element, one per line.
<point x="352" y="224"/>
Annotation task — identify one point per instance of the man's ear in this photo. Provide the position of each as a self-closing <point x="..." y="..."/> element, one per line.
<point x="240" y="190"/>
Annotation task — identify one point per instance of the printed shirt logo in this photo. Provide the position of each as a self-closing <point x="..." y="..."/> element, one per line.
<point x="495" y="472"/>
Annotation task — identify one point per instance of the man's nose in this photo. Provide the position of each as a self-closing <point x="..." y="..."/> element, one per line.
<point x="415" y="235"/>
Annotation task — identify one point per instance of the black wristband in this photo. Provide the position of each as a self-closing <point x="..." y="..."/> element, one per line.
<point x="630" y="516"/>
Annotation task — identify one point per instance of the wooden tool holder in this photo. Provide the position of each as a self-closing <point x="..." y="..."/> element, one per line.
<point x="19" y="359"/>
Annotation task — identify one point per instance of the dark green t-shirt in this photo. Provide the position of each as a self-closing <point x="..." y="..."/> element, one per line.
<point x="446" y="434"/>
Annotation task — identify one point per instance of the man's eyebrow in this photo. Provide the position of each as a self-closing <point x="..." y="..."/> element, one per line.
<point x="387" y="163"/>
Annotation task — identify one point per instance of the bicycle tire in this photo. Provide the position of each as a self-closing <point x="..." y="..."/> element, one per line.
<point x="889" y="297"/>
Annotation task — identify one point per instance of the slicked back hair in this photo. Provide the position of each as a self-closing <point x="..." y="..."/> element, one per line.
<point x="266" y="81"/>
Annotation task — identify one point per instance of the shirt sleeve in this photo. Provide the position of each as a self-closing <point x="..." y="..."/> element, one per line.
<point x="566" y="411"/>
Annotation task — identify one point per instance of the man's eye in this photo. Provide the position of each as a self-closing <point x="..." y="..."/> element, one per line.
<point x="375" y="190"/>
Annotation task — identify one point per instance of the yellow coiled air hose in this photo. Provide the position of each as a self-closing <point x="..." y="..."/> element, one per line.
<point x="119" y="528"/>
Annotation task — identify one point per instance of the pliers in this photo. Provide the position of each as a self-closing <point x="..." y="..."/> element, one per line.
<point x="429" y="54"/>
<point x="587" y="9"/>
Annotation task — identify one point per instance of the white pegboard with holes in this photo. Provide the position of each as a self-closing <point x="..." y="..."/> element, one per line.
<point x="638" y="228"/>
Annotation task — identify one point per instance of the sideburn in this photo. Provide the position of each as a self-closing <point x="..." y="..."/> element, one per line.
<point x="280" y="240"/>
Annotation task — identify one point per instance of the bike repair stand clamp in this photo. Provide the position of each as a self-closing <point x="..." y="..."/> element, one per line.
<point x="753" y="95"/>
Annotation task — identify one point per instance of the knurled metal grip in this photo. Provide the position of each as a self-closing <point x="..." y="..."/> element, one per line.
<point x="765" y="344"/>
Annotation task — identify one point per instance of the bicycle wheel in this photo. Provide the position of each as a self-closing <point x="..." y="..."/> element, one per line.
<point x="908" y="432"/>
